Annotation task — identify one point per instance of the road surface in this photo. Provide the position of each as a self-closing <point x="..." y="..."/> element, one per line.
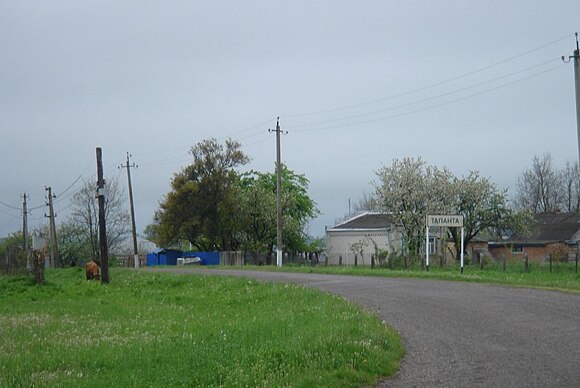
<point x="462" y="334"/>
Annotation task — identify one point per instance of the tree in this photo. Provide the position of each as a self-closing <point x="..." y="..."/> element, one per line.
<point x="151" y="233"/>
<point x="84" y="219"/>
<point x="571" y="187"/>
<point x="203" y="199"/>
<point x="258" y="210"/>
<point x="483" y="206"/>
<point x="410" y="189"/>
<point x="74" y="243"/>
<point x="403" y="191"/>
<point x="12" y="252"/>
<point x="540" y="187"/>
<point x="368" y="202"/>
<point x="257" y="215"/>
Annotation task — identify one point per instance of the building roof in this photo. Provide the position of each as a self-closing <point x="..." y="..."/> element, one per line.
<point x="366" y="221"/>
<point x="551" y="227"/>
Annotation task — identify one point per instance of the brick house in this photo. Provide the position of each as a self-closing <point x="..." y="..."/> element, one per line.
<point x="553" y="234"/>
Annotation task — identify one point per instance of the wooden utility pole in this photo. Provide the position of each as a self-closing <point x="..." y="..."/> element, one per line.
<point x="53" y="246"/>
<point x="102" y="222"/>
<point x="29" y="265"/>
<point x="279" y="239"/>
<point x="135" y="251"/>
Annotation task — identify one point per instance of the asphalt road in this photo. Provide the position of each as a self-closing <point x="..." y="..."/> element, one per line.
<point x="463" y="334"/>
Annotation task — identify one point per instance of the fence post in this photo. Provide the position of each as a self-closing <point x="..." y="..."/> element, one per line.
<point x="372" y="261"/>
<point x="550" y="263"/>
<point x="504" y="262"/>
<point x="340" y="260"/>
<point x="526" y="268"/>
<point x="481" y="259"/>
<point x="355" y="260"/>
<point x="576" y="262"/>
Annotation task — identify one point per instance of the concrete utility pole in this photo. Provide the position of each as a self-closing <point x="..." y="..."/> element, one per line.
<point x="102" y="223"/>
<point x="54" y="261"/>
<point x="135" y="251"/>
<point x="576" y="58"/>
<point x="278" y="195"/>
<point x="29" y="265"/>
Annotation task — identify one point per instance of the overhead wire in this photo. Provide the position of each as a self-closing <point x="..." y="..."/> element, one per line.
<point x="434" y="106"/>
<point x="454" y="91"/>
<point x="430" y="86"/>
<point x="10" y="206"/>
<point x="61" y="196"/>
<point x="340" y="122"/>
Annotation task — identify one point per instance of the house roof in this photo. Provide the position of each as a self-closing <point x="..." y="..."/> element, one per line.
<point x="366" y="221"/>
<point x="551" y="227"/>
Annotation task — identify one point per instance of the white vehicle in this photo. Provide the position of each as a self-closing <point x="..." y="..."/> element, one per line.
<point x="188" y="260"/>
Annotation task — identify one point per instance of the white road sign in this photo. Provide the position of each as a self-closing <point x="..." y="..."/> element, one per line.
<point x="449" y="221"/>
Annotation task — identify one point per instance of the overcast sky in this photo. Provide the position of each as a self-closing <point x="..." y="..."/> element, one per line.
<point x="471" y="85"/>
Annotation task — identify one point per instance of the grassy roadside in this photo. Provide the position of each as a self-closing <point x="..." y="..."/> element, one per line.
<point x="563" y="277"/>
<point x="148" y="329"/>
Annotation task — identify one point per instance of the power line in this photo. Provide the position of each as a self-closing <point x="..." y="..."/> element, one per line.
<point x="172" y="150"/>
<point x="71" y="185"/>
<point x="9" y="214"/>
<point x="347" y="107"/>
<point x="257" y="142"/>
<point x="433" y="106"/>
<point x="261" y="124"/>
<point x="455" y="91"/>
<point x="61" y="196"/>
<point x="10" y="206"/>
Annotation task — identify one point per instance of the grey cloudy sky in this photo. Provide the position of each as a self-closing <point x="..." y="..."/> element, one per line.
<point x="463" y="84"/>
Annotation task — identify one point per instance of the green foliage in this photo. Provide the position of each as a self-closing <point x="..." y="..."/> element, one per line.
<point x="12" y="251"/>
<point x="202" y="203"/>
<point x="148" y="329"/>
<point x="215" y="208"/>
<point x="257" y="214"/>
<point x="73" y="244"/>
<point x="14" y="241"/>
<point x="151" y="233"/>
<point x="259" y="210"/>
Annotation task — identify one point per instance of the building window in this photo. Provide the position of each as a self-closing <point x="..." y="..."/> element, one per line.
<point x="432" y="245"/>
<point x="517" y="249"/>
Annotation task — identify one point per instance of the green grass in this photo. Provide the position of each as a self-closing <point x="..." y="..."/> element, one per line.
<point x="148" y="329"/>
<point x="563" y="276"/>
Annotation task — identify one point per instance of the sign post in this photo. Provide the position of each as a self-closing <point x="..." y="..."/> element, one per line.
<point x="442" y="221"/>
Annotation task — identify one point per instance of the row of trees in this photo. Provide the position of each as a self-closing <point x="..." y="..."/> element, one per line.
<point x="78" y="234"/>
<point x="410" y="189"/>
<point x="544" y="188"/>
<point x="215" y="207"/>
<point x="211" y="204"/>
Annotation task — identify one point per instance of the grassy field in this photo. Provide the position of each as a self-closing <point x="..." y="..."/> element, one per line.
<point x="148" y="329"/>
<point x="563" y="276"/>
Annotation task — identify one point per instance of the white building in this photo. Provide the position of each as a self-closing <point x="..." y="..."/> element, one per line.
<point x="361" y="235"/>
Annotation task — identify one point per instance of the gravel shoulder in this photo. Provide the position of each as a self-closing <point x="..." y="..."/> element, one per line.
<point x="461" y="334"/>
